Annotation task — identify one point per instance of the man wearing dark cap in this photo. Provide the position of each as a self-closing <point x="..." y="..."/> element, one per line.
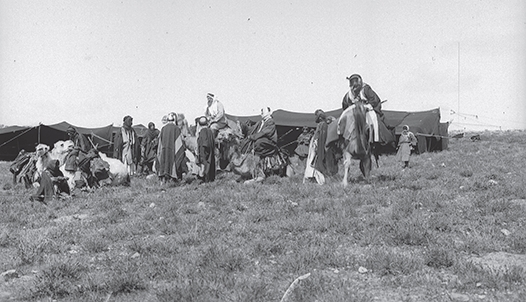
<point x="360" y="91"/>
<point x="79" y="141"/>
<point x="81" y="146"/>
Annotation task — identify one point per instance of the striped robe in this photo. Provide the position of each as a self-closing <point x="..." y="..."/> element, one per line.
<point x="171" y="152"/>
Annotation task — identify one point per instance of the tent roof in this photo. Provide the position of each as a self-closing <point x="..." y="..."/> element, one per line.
<point x="63" y="126"/>
<point x="12" y="129"/>
<point x="426" y="122"/>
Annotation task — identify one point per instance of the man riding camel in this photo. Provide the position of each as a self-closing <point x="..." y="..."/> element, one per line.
<point x="358" y="90"/>
<point x="215" y="113"/>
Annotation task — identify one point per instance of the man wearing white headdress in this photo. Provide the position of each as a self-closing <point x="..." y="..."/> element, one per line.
<point x="262" y="139"/>
<point x="215" y="113"/>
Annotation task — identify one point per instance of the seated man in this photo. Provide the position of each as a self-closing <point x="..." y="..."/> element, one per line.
<point x="264" y="135"/>
<point x="52" y="182"/>
<point x="215" y="113"/>
<point x="79" y="140"/>
<point x="262" y="138"/>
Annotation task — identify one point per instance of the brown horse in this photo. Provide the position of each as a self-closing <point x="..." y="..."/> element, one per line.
<point x="357" y="132"/>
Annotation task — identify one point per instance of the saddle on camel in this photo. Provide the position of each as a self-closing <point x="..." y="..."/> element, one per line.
<point x="259" y="155"/>
<point x="360" y="91"/>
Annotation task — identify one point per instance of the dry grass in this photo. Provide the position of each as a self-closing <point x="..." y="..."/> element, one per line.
<point x="416" y="232"/>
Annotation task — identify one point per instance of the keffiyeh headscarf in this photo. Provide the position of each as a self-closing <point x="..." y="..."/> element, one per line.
<point x="266" y="113"/>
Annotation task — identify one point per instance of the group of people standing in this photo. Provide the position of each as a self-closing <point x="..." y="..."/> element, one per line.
<point x="159" y="151"/>
<point x="163" y="151"/>
<point x="321" y="149"/>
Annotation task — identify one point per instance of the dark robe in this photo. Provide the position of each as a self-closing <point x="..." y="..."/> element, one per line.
<point x="326" y="159"/>
<point x="17" y="166"/>
<point x="321" y="137"/>
<point x="149" y="145"/>
<point x="84" y="167"/>
<point x="172" y="162"/>
<point x="263" y="138"/>
<point x="386" y="133"/>
<point x="50" y="177"/>
<point x="71" y="163"/>
<point x="81" y="146"/>
<point x="80" y="142"/>
<point x="206" y="156"/>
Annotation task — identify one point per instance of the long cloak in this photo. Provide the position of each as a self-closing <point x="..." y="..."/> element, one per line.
<point x="131" y="141"/>
<point x="206" y="156"/>
<point x="321" y="136"/>
<point x="405" y="142"/>
<point x="149" y="145"/>
<point x="265" y="138"/>
<point x="171" y="152"/>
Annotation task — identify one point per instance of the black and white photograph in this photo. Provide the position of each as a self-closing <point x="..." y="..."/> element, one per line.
<point x="279" y="150"/>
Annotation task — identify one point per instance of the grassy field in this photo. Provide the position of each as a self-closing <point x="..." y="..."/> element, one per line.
<point x="450" y="228"/>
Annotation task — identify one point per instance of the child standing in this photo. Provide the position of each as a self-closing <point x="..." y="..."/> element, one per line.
<point x="405" y="145"/>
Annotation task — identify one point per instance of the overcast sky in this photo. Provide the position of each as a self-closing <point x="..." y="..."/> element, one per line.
<point x="93" y="62"/>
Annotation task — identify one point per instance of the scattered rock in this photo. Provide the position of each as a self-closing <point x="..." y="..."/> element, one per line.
<point x="4" y="296"/>
<point x="493" y="182"/>
<point x="292" y="203"/>
<point x="443" y="165"/>
<point x="336" y="271"/>
<point x="136" y="255"/>
<point x="362" y="270"/>
<point x="505" y="232"/>
<point x="152" y="205"/>
<point x="80" y="216"/>
<point x="65" y="219"/>
<point x="457" y="243"/>
<point x="201" y="204"/>
<point x="8" y="275"/>
<point x="459" y="297"/>
<point x="501" y="261"/>
<point x="521" y="202"/>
